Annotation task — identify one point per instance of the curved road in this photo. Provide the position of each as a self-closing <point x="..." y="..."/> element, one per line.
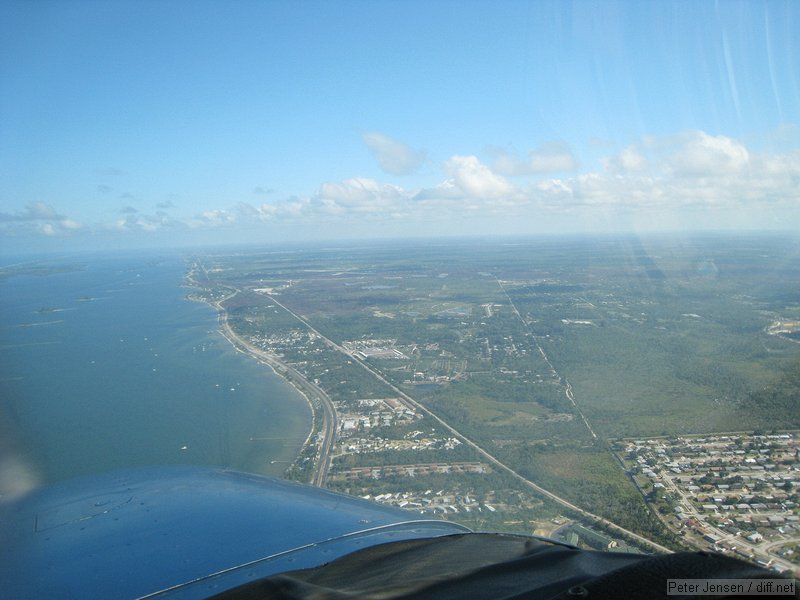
<point x="489" y="457"/>
<point x="310" y="390"/>
<point x="329" y="413"/>
<point x="313" y="392"/>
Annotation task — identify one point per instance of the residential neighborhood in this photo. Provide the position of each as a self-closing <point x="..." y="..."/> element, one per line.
<point x="737" y="493"/>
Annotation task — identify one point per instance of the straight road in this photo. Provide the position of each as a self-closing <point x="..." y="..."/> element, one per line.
<point x="567" y="385"/>
<point x="329" y="415"/>
<point x="489" y="457"/>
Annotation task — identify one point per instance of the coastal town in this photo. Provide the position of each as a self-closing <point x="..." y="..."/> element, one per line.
<point x="388" y="449"/>
<point x="736" y="493"/>
<point x="476" y="396"/>
<point x="720" y="514"/>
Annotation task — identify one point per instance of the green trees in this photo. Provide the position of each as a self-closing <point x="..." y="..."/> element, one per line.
<point x="779" y="402"/>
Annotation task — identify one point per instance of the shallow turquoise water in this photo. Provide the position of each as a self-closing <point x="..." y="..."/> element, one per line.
<point x="120" y="370"/>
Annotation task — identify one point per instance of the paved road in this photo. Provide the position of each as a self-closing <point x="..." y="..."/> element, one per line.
<point x="722" y="534"/>
<point x="329" y="417"/>
<point x="567" y="385"/>
<point x="313" y="393"/>
<point x="329" y="425"/>
<point x="489" y="457"/>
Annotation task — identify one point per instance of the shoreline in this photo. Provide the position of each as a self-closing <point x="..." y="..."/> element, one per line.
<point x="286" y="373"/>
<point x="329" y="428"/>
<point x="275" y="365"/>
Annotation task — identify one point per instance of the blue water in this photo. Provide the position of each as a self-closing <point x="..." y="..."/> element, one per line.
<point x="127" y="372"/>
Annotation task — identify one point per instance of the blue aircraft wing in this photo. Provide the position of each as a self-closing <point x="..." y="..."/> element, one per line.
<point x="183" y="532"/>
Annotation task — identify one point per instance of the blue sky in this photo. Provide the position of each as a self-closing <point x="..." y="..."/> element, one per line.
<point x="166" y="123"/>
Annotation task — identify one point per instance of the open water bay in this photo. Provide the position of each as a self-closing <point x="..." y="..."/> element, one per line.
<point x="109" y="366"/>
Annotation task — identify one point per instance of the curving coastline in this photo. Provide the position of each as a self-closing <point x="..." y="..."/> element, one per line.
<point x="323" y="425"/>
<point x="313" y="394"/>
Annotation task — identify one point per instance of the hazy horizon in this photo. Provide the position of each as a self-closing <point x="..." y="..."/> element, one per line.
<point x="131" y="125"/>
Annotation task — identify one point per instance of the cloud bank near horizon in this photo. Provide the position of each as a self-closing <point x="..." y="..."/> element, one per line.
<point x="679" y="174"/>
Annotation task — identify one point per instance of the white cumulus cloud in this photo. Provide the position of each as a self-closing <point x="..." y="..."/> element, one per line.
<point x="361" y="193"/>
<point x="680" y="173"/>
<point x="38" y="217"/>
<point x="34" y="211"/>
<point x="702" y="155"/>
<point x="551" y="157"/>
<point x="475" y="179"/>
<point x="393" y="157"/>
<point x="693" y="178"/>
<point x="630" y="160"/>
